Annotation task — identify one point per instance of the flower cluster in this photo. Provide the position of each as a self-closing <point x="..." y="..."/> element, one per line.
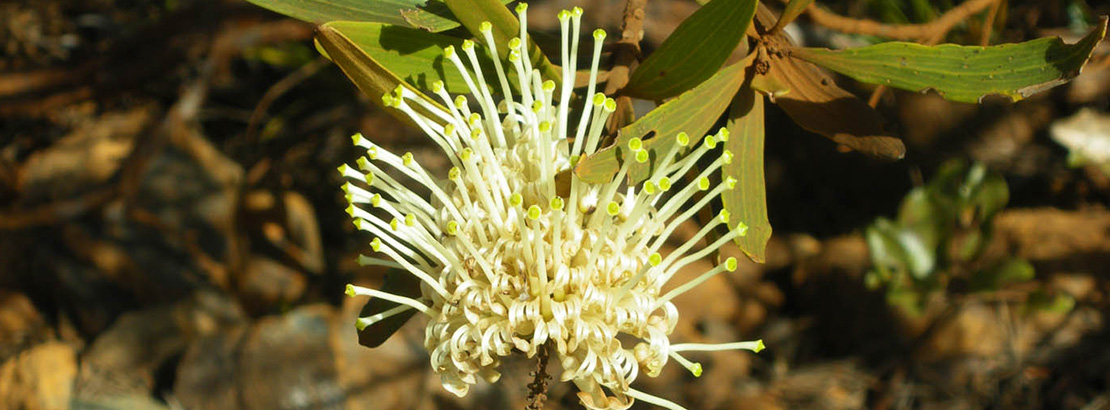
<point x="514" y="252"/>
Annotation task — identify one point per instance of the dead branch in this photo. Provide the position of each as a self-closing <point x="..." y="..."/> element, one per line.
<point x="908" y="32"/>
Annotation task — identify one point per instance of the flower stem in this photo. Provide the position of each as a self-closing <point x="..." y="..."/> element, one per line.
<point x="537" y="389"/>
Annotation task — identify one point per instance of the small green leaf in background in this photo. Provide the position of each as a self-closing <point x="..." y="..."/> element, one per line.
<point x="747" y="202"/>
<point x="963" y="73"/>
<point x="1005" y="273"/>
<point x="472" y="13"/>
<point x="696" y="50"/>
<point x="431" y="15"/>
<point x="374" y="79"/>
<point x="415" y="56"/>
<point x="792" y="10"/>
<point x="693" y="112"/>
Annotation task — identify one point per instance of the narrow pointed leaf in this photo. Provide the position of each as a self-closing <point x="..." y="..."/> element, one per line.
<point x="692" y="112"/>
<point x="793" y="9"/>
<point x="747" y="202"/>
<point x="471" y="13"/>
<point x="963" y="73"/>
<point x="397" y="282"/>
<point x="697" y="49"/>
<point x="374" y="79"/>
<point x="431" y="15"/>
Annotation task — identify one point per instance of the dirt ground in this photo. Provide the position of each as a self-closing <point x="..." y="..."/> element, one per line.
<point x="173" y="235"/>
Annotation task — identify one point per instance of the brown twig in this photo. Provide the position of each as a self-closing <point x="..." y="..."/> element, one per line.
<point x="280" y="88"/>
<point x="988" y="23"/>
<point x="537" y="389"/>
<point x="938" y="33"/>
<point x="910" y="32"/>
<point x="628" y="47"/>
<point x="627" y="52"/>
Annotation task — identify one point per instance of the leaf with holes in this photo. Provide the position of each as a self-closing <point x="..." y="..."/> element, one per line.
<point x="692" y="112"/>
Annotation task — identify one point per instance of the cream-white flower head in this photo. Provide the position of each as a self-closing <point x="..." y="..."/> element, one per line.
<point x="509" y="258"/>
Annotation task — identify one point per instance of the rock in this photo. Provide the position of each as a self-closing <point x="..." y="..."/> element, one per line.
<point x="286" y="362"/>
<point x="206" y="377"/>
<point x="280" y="362"/>
<point x="975" y="330"/>
<point x="267" y="284"/>
<point x="387" y="376"/>
<point x="20" y="324"/>
<point x="833" y="385"/>
<point x="123" y="359"/>
<point x="39" y="378"/>
<point x="84" y="159"/>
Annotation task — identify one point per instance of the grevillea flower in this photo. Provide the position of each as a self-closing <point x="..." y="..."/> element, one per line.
<point x="509" y="257"/>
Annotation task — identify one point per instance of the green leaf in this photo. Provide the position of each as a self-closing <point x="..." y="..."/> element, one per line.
<point x="416" y="56"/>
<point x="431" y="15"/>
<point x="692" y="112"/>
<point x="505" y="26"/>
<point x="747" y="202"/>
<point x="1008" y="272"/>
<point x="793" y="9"/>
<point x="696" y="50"/>
<point x="373" y="78"/>
<point x="963" y="73"/>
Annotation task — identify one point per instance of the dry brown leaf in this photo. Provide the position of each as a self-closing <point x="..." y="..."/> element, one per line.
<point x="817" y="104"/>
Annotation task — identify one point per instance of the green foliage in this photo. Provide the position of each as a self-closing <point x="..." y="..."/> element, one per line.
<point x="963" y="73"/>
<point x="941" y="229"/>
<point x="504" y="26"/>
<point x="694" y="112"/>
<point x="372" y="77"/>
<point x="416" y="55"/>
<point x="941" y="235"/>
<point x="694" y="51"/>
<point x="748" y="201"/>
<point x="430" y="15"/>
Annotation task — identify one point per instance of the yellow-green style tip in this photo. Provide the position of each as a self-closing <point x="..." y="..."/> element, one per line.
<point x="557" y="203"/>
<point x="350" y="290"/>
<point x="362" y="323"/>
<point x="635" y="144"/>
<point x="613" y="208"/>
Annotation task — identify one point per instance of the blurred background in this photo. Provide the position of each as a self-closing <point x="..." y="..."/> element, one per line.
<point x="173" y="235"/>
